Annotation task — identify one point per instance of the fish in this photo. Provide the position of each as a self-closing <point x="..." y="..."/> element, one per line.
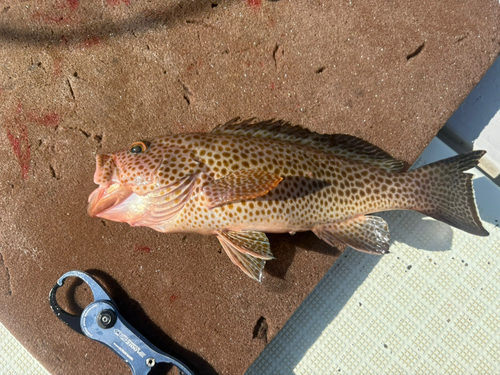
<point x="246" y="178"/>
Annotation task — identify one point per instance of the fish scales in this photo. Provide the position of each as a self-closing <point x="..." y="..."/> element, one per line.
<point x="316" y="187"/>
<point x="247" y="178"/>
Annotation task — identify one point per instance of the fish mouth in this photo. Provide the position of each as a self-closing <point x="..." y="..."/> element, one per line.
<point x="108" y="199"/>
<point x="116" y="199"/>
<point x="110" y="193"/>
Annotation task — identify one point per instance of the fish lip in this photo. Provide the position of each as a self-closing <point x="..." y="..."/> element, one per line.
<point x="105" y="197"/>
<point x="112" y="191"/>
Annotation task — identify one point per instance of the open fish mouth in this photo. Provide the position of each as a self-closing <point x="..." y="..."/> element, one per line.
<point x="117" y="198"/>
<point x="108" y="199"/>
<point x="110" y="193"/>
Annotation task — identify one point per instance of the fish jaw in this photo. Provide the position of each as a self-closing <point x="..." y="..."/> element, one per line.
<point x="116" y="202"/>
<point x="105" y="197"/>
<point x="113" y="199"/>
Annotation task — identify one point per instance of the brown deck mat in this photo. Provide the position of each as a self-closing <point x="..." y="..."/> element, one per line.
<point x="80" y="77"/>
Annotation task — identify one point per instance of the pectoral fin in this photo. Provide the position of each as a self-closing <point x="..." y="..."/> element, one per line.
<point x="369" y="234"/>
<point x="248" y="250"/>
<point x="240" y="185"/>
<point x="167" y="202"/>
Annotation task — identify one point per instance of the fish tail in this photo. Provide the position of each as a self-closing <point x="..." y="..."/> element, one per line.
<point x="446" y="192"/>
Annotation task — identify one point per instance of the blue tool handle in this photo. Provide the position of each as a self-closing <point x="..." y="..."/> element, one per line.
<point x="97" y="289"/>
<point x="102" y="322"/>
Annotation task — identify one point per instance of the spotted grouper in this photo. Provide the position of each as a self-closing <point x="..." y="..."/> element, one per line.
<point x="245" y="178"/>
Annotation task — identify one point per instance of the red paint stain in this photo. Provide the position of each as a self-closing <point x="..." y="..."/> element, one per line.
<point x="60" y="11"/>
<point x="142" y="249"/>
<point x="21" y="148"/>
<point x="57" y="71"/>
<point x="92" y="42"/>
<point x="173" y="297"/>
<point x="272" y="86"/>
<point x="63" y="41"/>
<point x="73" y="4"/>
<point x="113" y="3"/>
<point x="194" y="66"/>
<point x="50" y="120"/>
<point x="254" y="3"/>
<point x="50" y="19"/>
<point x="17" y="133"/>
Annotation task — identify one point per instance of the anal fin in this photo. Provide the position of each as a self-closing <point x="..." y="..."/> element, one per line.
<point x="369" y="234"/>
<point x="248" y="250"/>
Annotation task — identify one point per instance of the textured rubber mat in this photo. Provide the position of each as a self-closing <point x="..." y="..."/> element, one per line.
<point x="431" y="306"/>
<point x="15" y="359"/>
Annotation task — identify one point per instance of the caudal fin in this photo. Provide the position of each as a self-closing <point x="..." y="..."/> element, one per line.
<point x="448" y="194"/>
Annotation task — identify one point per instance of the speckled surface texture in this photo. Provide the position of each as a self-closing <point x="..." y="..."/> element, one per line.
<point x="84" y="77"/>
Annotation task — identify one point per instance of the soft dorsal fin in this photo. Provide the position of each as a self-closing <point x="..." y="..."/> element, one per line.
<point x="343" y="145"/>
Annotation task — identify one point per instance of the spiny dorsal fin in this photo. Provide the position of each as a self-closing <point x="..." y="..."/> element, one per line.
<point x="343" y="145"/>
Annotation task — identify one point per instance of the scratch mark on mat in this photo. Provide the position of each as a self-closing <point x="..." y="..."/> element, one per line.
<point x="276" y="47"/>
<point x="97" y="137"/>
<point x="53" y="172"/>
<point x="260" y="330"/>
<point x="7" y="276"/>
<point x="320" y="70"/>
<point x="278" y="54"/>
<point x="416" y="52"/>
<point x="71" y="89"/>
<point x="461" y="38"/>
<point x="186" y="93"/>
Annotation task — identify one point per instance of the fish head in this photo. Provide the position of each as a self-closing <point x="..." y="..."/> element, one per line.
<point x="125" y="178"/>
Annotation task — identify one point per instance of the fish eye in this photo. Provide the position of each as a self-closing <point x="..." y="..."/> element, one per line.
<point x="139" y="147"/>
